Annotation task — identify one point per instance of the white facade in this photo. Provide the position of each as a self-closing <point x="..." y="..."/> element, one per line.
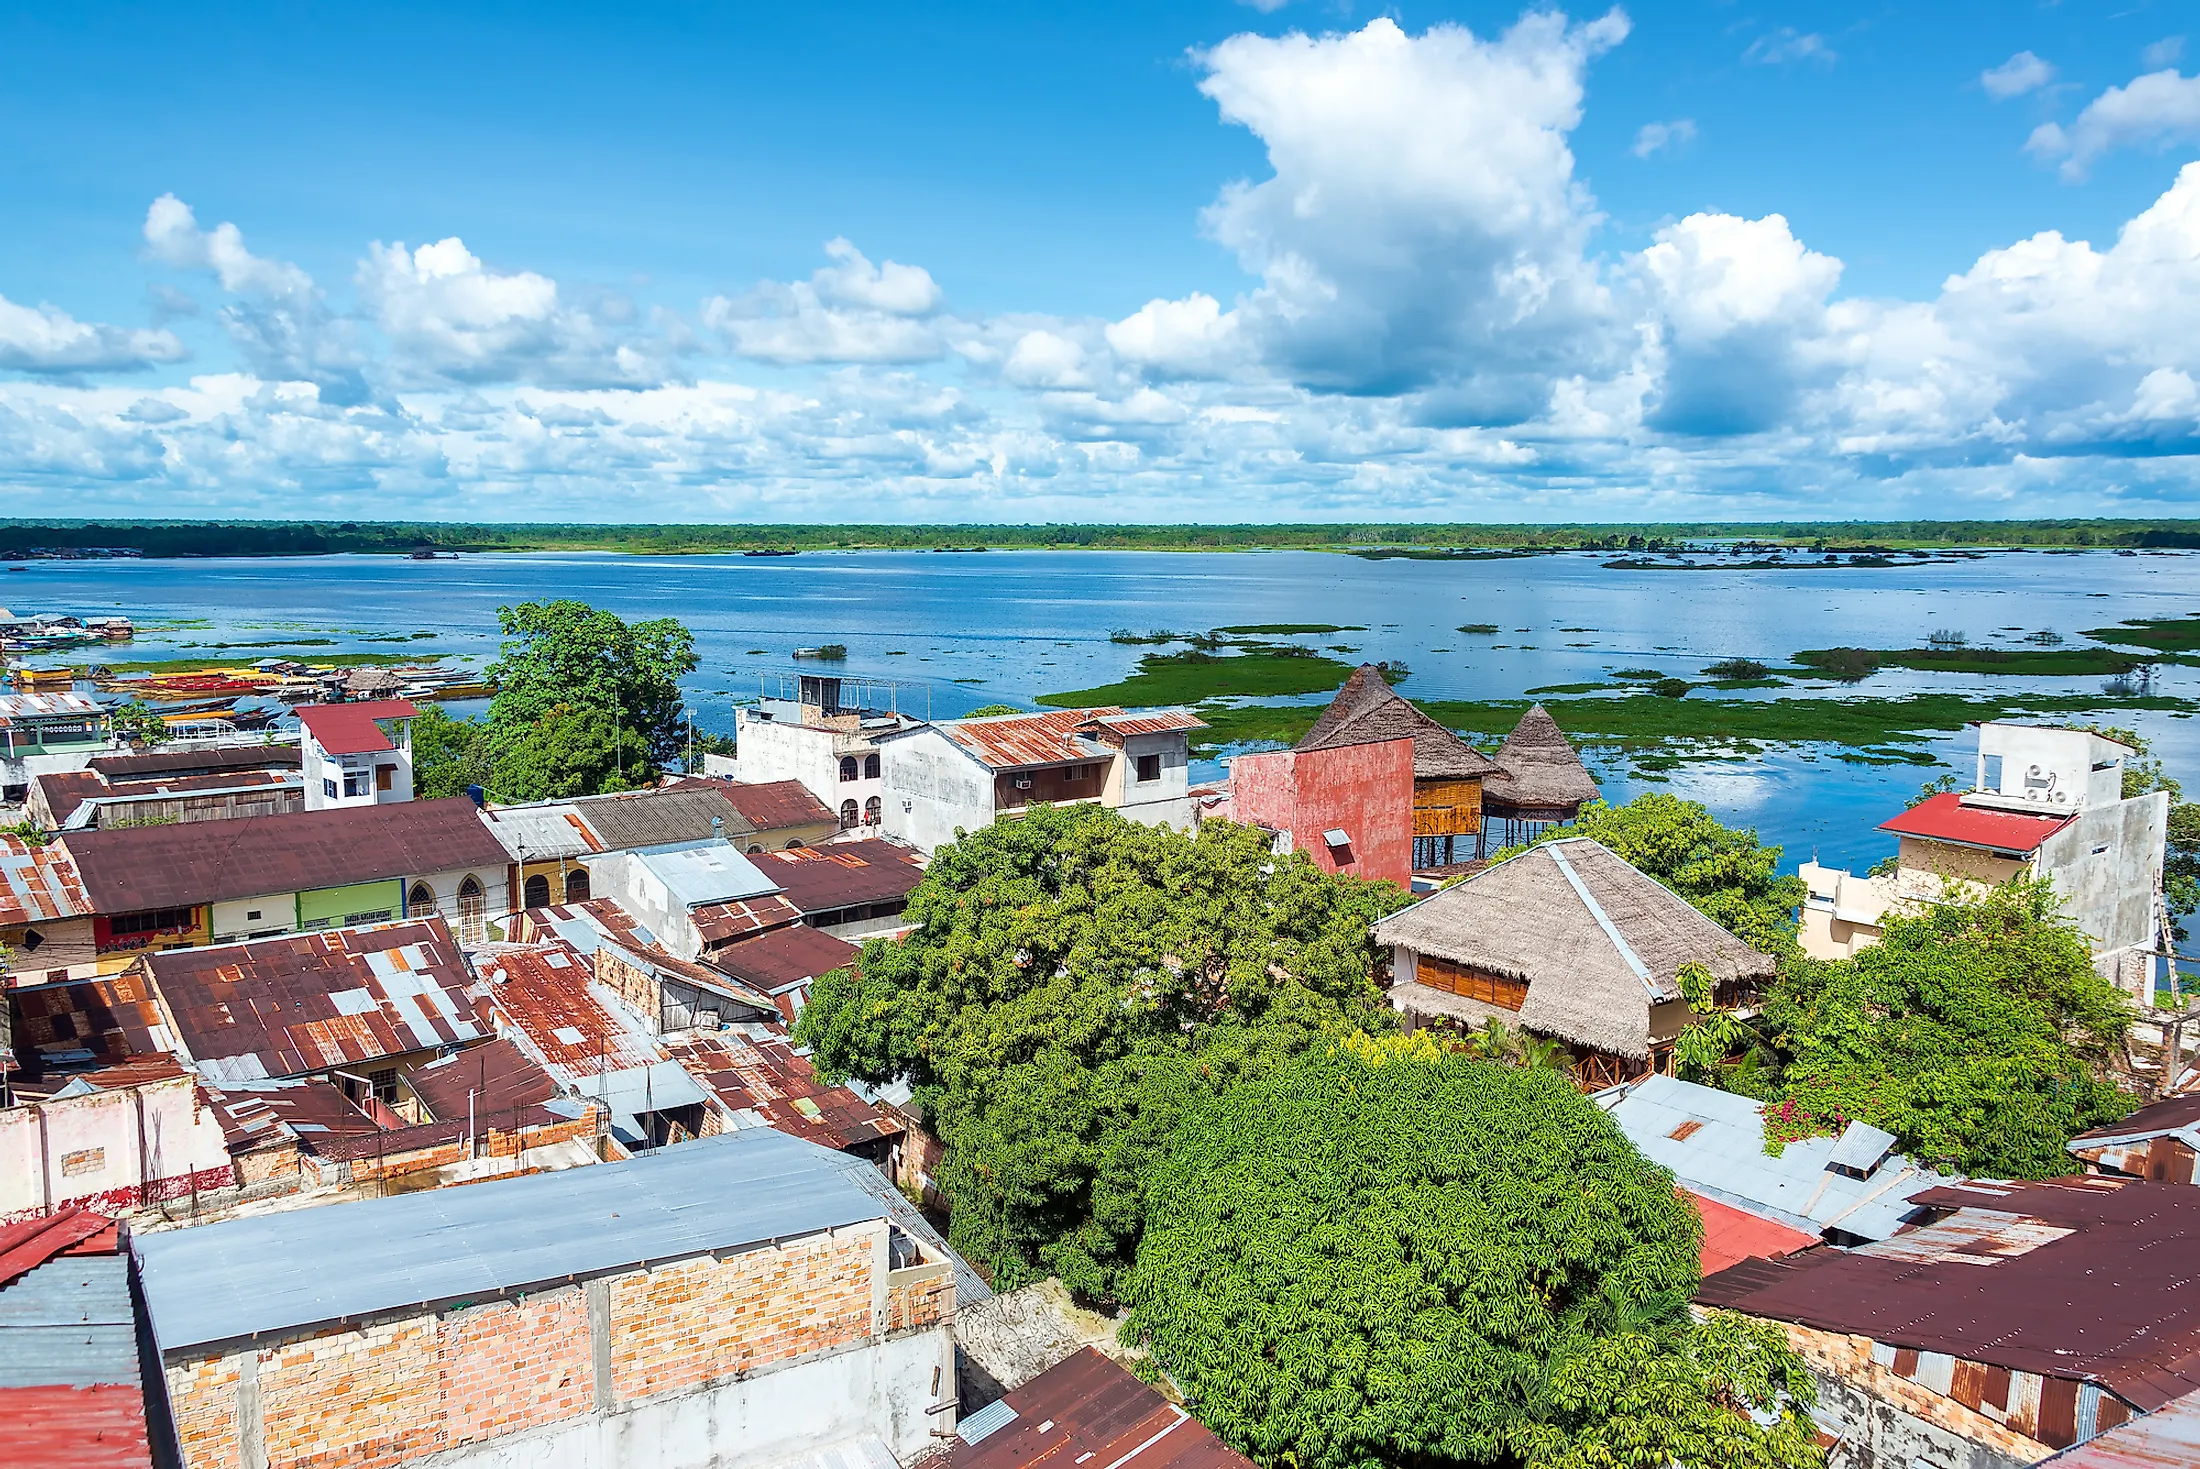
<point x="934" y="787"/>
<point x="1151" y="781"/>
<point x="376" y="778"/>
<point x="2049" y="769"/>
<point x="837" y="757"/>
<point x="661" y="886"/>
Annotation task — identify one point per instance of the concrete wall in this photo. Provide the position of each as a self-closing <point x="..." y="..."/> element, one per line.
<point x="1364" y="790"/>
<point x="496" y="892"/>
<point x="255" y="917"/>
<point x="1163" y="802"/>
<point x="747" y="1360"/>
<point x="110" y="1150"/>
<point x="320" y="767"/>
<point x="932" y="788"/>
<point x="2052" y="768"/>
<point x="779" y="749"/>
<point x="61" y="943"/>
<point x="2107" y="865"/>
<point x="626" y="880"/>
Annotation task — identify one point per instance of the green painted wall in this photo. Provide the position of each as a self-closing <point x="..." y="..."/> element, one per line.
<point x="333" y="905"/>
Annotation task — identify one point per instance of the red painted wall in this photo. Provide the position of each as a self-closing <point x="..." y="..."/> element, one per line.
<point x="1366" y="790"/>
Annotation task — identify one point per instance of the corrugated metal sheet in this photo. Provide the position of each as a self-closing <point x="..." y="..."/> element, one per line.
<point x="776" y="805"/>
<point x="1861" y="1147"/>
<point x="710" y="871"/>
<point x="1731" y="1235"/>
<point x="2085" y="1279"/>
<point x="31" y="708"/>
<point x="1019" y="741"/>
<point x="656" y="818"/>
<point x="38" y="884"/>
<point x="725" y="923"/>
<point x="756" y="1072"/>
<point x="312" y="1001"/>
<point x="352" y="729"/>
<point x="1723" y="1157"/>
<point x="1944" y="818"/>
<point x="571" y="1024"/>
<point x="843" y="874"/>
<point x="1087" y="1410"/>
<point x="538" y="833"/>
<point x="2167" y="1438"/>
<point x="786" y="956"/>
<point x="113" y="1017"/>
<point x="82" y="1427"/>
<point x="70" y="1392"/>
<point x="283" y="1273"/>
<point x="1151" y="721"/>
<point x="68" y="1324"/>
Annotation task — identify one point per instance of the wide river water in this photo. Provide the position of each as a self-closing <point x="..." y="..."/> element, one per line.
<point x="963" y="630"/>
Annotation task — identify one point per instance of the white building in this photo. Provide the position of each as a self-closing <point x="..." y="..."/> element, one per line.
<point x="964" y="774"/>
<point x="822" y="737"/>
<point x="2045" y="802"/>
<point x="356" y="754"/>
<point x="693" y="897"/>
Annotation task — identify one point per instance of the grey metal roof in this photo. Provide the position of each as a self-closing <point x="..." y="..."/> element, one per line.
<point x="68" y="1324"/>
<point x="1723" y="1157"/>
<point x="1862" y="1147"/>
<point x="281" y="1273"/>
<point x="705" y="872"/>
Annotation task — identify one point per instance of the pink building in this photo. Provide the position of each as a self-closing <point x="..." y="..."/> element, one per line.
<point x="1349" y="807"/>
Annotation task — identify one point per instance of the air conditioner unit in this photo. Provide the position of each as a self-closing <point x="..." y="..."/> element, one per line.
<point x="1023" y="782"/>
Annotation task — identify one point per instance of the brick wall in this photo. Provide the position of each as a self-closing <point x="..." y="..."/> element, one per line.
<point x="401" y="1389"/>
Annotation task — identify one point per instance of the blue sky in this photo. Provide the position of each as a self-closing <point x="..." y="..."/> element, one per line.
<point x="1130" y="261"/>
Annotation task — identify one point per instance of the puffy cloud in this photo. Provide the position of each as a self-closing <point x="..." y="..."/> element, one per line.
<point x="2160" y="108"/>
<point x="849" y="311"/>
<point x="1655" y="137"/>
<point x="2021" y="73"/>
<point x="1787" y="45"/>
<point x="46" y="339"/>
<point x="1193" y="337"/>
<point x="2166" y="52"/>
<point x="1044" y="359"/>
<point x="1421" y="220"/>
<point x="280" y="321"/>
<point x="449" y="317"/>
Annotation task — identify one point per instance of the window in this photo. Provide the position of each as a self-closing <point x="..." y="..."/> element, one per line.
<point x="473" y="912"/>
<point x="755" y="847"/>
<point x="871" y="812"/>
<point x="795" y="844"/>
<point x="1989" y="767"/>
<point x="355" y="782"/>
<point x="576" y="885"/>
<point x="32" y="938"/>
<point x="420" y="902"/>
<point x="383" y="775"/>
<point x="847" y="813"/>
<point x="1475" y="984"/>
<point x="870" y="766"/>
<point x="328" y="788"/>
<point x="1149" y="767"/>
<point x="150" y="922"/>
<point x="535" y="892"/>
<point x="849" y="770"/>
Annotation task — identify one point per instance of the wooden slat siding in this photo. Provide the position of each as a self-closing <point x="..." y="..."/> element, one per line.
<point x="1905" y="1365"/>
<point x="1995" y="1393"/>
<point x="1457" y="979"/>
<point x="2112" y="1413"/>
<point x="1968" y="1386"/>
<point x="2058" y="1412"/>
<point x="1447" y="808"/>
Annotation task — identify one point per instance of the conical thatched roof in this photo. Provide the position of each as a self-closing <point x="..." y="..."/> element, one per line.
<point x="1368" y="709"/>
<point x="1597" y="942"/>
<point x="1539" y="770"/>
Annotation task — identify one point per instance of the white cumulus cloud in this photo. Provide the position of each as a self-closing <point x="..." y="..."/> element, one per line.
<point x="2021" y="73"/>
<point x="46" y="339"/>
<point x="849" y="311"/>
<point x="1787" y="45"/>
<point x="2159" y="109"/>
<point x="1193" y="337"/>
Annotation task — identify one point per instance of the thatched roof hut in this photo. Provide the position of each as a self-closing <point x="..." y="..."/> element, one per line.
<point x="1368" y="709"/>
<point x="1597" y="943"/>
<point x="1540" y="777"/>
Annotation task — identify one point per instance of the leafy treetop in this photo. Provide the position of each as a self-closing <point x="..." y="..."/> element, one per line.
<point x="569" y="655"/>
<point x="1383" y="1252"/>
<point x="1073" y="981"/>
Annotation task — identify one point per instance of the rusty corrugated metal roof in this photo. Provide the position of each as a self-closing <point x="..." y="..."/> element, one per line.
<point x="39" y="884"/>
<point x="722" y="923"/>
<point x="114" y="1017"/>
<point x="755" y="1070"/>
<point x="610" y="923"/>
<point x="1019" y="741"/>
<point x="311" y="1002"/>
<point x="842" y="874"/>
<point x="547" y="992"/>
<point x="68" y="1347"/>
<point x="1091" y="1411"/>
<point x="2088" y="1279"/>
<point x="15" y="707"/>
<point x="2167" y="1438"/>
<point x="785" y="956"/>
<point x="1151" y="721"/>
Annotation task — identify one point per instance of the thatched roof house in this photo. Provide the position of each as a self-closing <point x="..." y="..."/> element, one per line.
<point x="1569" y="941"/>
<point x="1539" y="775"/>
<point x="1367" y="709"/>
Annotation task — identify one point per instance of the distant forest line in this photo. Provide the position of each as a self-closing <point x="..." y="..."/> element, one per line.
<point x="20" y="538"/>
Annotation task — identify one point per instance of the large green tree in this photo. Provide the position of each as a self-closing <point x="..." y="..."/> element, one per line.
<point x="1726" y="873"/>
<point x="569" y="750"/>
<point x="1976" y="1031"/>
<point x="1075" y="980"/>
<point x="1382" y="1252"/>
<point x="566" y="655"/>
<point x="448" y="755"/>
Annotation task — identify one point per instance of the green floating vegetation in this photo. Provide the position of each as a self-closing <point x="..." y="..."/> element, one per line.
<point x="1193" y="675"/>
<point x="1853" y="663"/>
<point x="2165" y="634"/>
<point x="1289" y="629"/>
<point x="1479" y="629"/>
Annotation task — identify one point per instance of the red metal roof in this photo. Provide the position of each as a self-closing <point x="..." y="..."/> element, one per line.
<point x="1731" y="1235"/>
<point x="721" y="923"/>
<point x="842" y="874"/>
<point x="351" y="729"/>
<point x="69" y="1230"/>
<point x="309" y="1002"/>
<point x="96" y="1427"/>
<point x="2090" y="1279"/>
<point x="757" y="1070"/>
<point x="60" y="1411"/>
<point x="1088" y="1410"/>
<point x="1017" y="741"/>
<point x="1944" y="818"/>
<point x="1155" y="721"/>
<point x="775" y="805"/>
<point x="785" y="956"/>
<point x="503" y="1085"/>
<point x="38" y="884"/>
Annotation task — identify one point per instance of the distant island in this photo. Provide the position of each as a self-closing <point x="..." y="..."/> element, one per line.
<point x="25" y="539"/>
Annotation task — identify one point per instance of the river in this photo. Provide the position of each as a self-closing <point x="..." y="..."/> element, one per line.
<point x="960" y="630"/>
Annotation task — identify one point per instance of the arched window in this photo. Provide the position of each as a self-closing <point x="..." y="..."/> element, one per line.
<point x="848" y="767"/>
<point x="847" y="815"/>
<point x="535" y="892"/>
<point x="576" y="885"/>
<point x="870" y="766"/>
<point x="420" y="902"/>
<point x="797" y="842"/>
<point x="755" y="847"/>
<point x="871" y="812"/>
<point x="473" y="912"/>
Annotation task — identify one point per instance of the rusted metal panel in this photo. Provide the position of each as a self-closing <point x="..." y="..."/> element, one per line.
<point x="723" y="923"/>
<point x="1019" y="741"/>
<point x="754" y="1069"/>
<point x="842" y="874"/>
<point x="547" y="993"/>
<point x="39" y="884"/>
<point x="1088" y="1410"/>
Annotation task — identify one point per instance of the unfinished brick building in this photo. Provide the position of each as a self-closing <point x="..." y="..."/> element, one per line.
<point x="743" y="1299"/>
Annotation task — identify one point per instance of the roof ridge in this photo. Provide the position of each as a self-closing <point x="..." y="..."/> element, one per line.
<point x="1596" y="911"/>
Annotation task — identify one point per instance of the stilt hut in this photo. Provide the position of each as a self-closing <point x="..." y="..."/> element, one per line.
<point x="1539" y="780"/>
<point x="1447" y="771"/>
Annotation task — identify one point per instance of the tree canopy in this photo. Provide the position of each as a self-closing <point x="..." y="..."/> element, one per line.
<point x="136" y="722"/>
<point x="448" y="755"/>
<point x="569" y="655"/>
<point x="1075" y="980"/>
<point x="1381" y="1251"/>
<point x="1727" y="874"/>
<point x="1976" y="1031"/>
